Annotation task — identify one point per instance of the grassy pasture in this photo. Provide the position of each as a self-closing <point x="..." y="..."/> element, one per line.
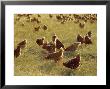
<point x="31" y="62"/>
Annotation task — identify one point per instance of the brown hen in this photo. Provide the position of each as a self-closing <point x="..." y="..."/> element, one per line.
<point x="73" y="47"/>
<point x="88" y="40"/>
<point x="56" y="55"/>
<point x="40" y="41"/>
<point x="17" y="51"/>
<point x="80" y="39"/>
<point x="73" y="63"/>
<point x="23" y="43"/>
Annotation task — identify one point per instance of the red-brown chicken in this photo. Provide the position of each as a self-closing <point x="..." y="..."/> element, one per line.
<point x="45" y="27"/>
<point x="59" y="44"/>
<point x="50" y="15"/>
<point x="50" y="47"/>
<point x="40" y="41"/>
<point x="73" y="47"/>
<point x="82" y="25"/>
<point x="80" y="39"/>
<point x="56" y="56"/>
<point x="23" y="43"/>
<point x="73" y="63"/>
<point x="88" y="40"/>
<point x="17" y="51"/>
<point x="37" y="28"/>
<point x="89" y="33"/>
<point x="33" y="19"/>
<point x="39" y="15"/>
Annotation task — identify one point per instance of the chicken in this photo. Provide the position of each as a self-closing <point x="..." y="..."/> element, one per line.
<point x="59" y="44"/>
<point x="38" y="21"/>
<point x="88" y="40"/>
<point x="17" y="18"/>
<point x="62" y="22"/>
<point x="33" y="19"/>
<point x="92" y="21"/>
<point x="73" y="63"/>
<point x="45" y="27"/>
<point x="39" y="15"/>
<point x="40" y="41"/>
<point x="82" y="25"/>
<point x="27" y="19"/>
<point x="20" y="15"/>
<point x="80" y="39"/>
<point x="28" y="15"/>
<point x="17" y="51"/>
<point x="58" y="17"/>
<point x="89" y="33"/>
<point x="50" y="47"/>
<point x="22" y="24"/>
<point x="76" y="21"/>
<point x="73" y="47"/>
<point x="50" y="15"/>
<point x="37" y="28"/>
<point x="23" y="43"/>
<point x="54" y="37"/>
<point x="56" y="55"/>
<point x="45" y="44"/>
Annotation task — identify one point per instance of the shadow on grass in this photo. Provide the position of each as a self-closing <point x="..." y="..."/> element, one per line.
<point x="89" y="56"/>
<point x="68" y="72"/>
<point x="47" y="67"/>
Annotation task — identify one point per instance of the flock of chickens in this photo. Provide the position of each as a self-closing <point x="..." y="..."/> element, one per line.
<point x="56" y="48"/>
<point x="76" y="18"/>
<point x="56" y="44"/>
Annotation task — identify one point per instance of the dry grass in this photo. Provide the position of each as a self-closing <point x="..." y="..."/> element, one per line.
<point x="32" y="62"/>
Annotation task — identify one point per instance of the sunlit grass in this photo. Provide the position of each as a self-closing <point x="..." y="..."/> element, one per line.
<point x="32" y="62"/>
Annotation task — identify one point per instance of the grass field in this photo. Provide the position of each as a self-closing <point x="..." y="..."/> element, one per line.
<point x="31" y="62"/>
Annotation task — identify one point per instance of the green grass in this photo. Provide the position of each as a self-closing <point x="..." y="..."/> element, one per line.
<point x="32" y="62"/>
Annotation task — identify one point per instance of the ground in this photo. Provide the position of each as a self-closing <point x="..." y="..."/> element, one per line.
<point x="32" y="60"/>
